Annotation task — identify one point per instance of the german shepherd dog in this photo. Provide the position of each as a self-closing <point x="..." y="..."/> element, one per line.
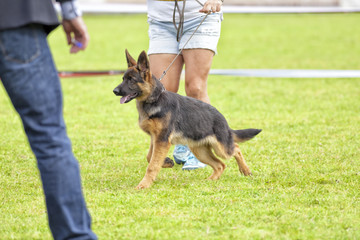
<point x="173" y="119"/>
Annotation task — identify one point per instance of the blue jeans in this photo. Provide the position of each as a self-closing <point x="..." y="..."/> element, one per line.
<point x="29" y="76"/>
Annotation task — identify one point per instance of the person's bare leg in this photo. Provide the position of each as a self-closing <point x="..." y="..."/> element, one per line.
<point x="197" y="67"/>
<point x="160" y="62"/>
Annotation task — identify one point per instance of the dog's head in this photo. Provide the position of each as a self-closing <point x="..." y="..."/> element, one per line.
<point x="137" y="82"/>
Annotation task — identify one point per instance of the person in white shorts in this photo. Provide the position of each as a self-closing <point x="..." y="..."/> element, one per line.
<point x="171" y="24"/>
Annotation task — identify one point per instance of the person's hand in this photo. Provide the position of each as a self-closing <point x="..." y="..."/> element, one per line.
<point x="211" y="6"/>
<point x="75" y="30"/>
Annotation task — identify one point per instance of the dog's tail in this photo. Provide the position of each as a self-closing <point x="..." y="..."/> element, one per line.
<point x="245" y="134"/>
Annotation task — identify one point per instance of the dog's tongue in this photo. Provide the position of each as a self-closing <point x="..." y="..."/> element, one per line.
<point x="124" y="98"/>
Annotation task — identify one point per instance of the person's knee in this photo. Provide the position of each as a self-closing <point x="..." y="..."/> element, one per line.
<point x="172" y="87"/>
<point x="195" y="90"/>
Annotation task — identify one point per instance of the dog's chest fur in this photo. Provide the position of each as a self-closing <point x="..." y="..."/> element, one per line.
<point x="149" y="120"/>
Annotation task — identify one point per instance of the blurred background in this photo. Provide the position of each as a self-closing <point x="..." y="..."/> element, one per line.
<point x="342" y="3"/>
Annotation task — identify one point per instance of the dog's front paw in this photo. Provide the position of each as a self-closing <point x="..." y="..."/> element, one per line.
<point x="143" y="184"/>
<point x="168" y="163"/>
<point x="246" y="172"/>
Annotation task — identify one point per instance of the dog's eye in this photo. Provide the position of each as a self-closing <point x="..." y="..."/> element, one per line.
<point x="133" y="80"/>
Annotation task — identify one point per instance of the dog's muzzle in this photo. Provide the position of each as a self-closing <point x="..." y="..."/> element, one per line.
<point x="116" y="91"/>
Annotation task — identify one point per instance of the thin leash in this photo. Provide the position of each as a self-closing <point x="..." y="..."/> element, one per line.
<point x="180" y="51"/>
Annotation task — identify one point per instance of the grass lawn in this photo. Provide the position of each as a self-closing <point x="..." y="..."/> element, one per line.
<point x="305" y="163"/>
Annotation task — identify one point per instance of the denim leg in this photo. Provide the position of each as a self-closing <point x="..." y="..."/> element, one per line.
<point x="30" y="78"/>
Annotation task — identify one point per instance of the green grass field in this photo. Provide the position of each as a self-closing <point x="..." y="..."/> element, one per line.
<point x="305" y="163"/>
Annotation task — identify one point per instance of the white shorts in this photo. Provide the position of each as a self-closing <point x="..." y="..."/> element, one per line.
<point x="163" y="35"/>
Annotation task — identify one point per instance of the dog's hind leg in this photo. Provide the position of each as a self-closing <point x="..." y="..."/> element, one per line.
<point x="159" y="152"/>
<point x="243" y="167"/>
<point x="205" y="155"/>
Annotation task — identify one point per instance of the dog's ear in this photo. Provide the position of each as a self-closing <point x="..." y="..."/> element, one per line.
<point x="131" y="62"/>
<point x="143" y="62"/>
